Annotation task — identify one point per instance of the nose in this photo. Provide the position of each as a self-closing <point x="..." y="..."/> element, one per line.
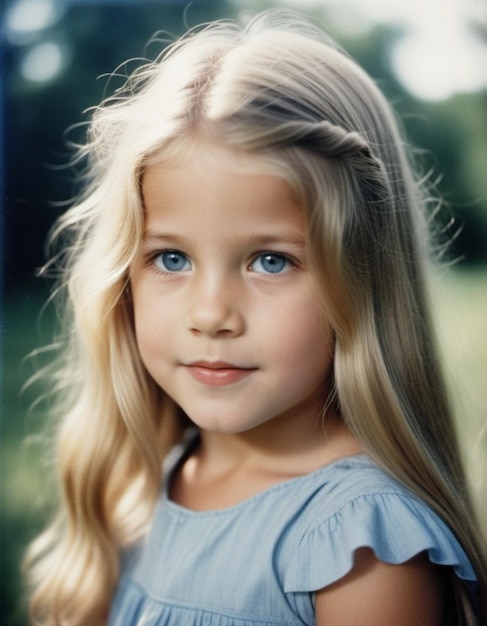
<point x="214" y="308"/>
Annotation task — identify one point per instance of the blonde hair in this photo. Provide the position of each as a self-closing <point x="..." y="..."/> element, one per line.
<point x="278" y="89"/>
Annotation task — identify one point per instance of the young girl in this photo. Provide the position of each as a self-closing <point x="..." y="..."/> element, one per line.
<point x="245" y="286"/>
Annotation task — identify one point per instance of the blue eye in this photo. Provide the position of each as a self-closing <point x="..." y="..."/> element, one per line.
<point x="172" y="261"/>
<point x="270" y="263"/>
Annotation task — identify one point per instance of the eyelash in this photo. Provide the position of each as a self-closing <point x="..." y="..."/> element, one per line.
<point x="289" y="262"/>
<point x="160" y="253"/>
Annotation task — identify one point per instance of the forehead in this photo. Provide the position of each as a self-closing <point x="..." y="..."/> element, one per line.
<point x="188" y="192"/>
<point x="217" y="199"/>
<point x="211" y="173"/>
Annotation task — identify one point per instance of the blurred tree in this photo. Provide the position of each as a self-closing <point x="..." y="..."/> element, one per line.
<point x="455" y="131"/>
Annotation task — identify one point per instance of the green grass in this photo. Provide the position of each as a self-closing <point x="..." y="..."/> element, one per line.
<point x="461" y="313"/>
<point x="461" y="310"/>
<point x="23" y="481"/>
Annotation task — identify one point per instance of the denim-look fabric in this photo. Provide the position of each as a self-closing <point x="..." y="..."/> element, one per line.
<point x="258" y="563"/>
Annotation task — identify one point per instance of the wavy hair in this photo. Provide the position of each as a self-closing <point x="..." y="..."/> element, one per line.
<point x="281" y="91"/>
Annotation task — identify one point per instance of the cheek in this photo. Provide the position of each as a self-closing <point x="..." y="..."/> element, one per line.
<point x="145" y="345"/>
<point x="305" y="341"/>
<point x="149" y="322"/>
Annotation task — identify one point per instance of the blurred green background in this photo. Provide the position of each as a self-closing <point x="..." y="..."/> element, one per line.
<point x="429" y="59"/>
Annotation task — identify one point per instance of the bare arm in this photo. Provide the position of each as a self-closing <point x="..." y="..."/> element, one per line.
<point x="374" y="593"/>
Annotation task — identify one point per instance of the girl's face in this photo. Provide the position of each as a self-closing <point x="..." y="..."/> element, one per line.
<point x="226" y="306"/>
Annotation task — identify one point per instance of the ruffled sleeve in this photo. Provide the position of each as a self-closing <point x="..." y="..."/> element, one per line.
<point x="395" y="526"/>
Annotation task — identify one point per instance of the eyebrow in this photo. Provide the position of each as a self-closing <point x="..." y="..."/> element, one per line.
<point x="261" y="239"/>
<point x="155" y="237"/>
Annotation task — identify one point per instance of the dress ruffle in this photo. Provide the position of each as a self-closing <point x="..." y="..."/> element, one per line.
<point x="395" y="528"/>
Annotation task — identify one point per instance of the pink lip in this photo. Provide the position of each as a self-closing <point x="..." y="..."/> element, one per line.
<point x="217" y="373"/>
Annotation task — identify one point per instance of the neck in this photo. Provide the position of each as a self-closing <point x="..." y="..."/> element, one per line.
<point x="292" y="451"/>
<point x="225" y="469"/>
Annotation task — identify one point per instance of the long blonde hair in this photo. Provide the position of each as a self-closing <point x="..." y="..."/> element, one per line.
<point x="281" y="90"/>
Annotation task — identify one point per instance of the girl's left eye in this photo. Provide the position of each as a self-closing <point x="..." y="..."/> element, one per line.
<point x="271" y="263"/>
<point x="172" y="261"/>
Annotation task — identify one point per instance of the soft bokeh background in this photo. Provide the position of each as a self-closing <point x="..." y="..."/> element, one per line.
<point x="430" y="58"/>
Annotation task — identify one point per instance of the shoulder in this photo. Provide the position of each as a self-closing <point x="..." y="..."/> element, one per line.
<point x="359" y="506"/>
<point x="383" y="594"/>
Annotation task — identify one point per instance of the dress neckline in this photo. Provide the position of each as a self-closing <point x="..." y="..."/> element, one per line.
<point x="183" y="451"/>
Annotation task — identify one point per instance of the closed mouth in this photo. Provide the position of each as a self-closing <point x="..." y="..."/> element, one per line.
<point x="218" y="365"/>
<point x="218" y="373"/>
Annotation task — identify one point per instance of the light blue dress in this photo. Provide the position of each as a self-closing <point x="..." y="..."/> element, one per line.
<point x="258" y="563"/>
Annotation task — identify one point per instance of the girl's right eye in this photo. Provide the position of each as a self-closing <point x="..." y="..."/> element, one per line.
<point x="172" y="261"/>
